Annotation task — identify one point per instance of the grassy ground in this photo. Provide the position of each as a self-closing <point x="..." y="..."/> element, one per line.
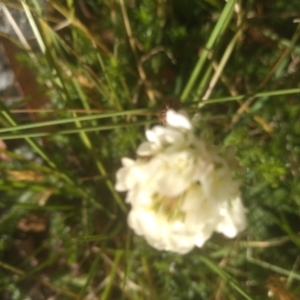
<point x="104" y="68"/>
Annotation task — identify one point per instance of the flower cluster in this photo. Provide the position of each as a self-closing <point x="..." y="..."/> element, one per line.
<point x="180" y="189"/>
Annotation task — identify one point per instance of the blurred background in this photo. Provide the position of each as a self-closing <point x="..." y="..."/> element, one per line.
<point x="80" y="81"/>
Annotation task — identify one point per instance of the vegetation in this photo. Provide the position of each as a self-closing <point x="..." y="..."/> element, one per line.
<point x="104" y="69"/>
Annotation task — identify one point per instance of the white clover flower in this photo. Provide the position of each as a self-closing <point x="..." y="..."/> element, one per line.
<point x="180" y="189"/>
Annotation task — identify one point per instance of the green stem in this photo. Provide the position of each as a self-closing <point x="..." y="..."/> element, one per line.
<point x="219" y="28"/>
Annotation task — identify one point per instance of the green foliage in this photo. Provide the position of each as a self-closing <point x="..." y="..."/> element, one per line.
<point x="106" y="67"/>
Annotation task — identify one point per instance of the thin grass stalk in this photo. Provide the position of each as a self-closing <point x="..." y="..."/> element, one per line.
<point x="34" y="27"/>
<point x="257" y="95"/>
<point x="43" y="282"/>
<point x="140" y="68"/>
<point x="34" y="145"/>
<point x="204" y="82"/>
<point x="215" y="268"/>
<point x="116" y="101"/>
<point x="83" y="136"/>
<point x="93" y="270"/>
<point x="280" y="62"/>
<point x="112" y="275"/>
<point x="144" y="111"/>
<point x="92" y="76"/>
<point x="227" y="53"/>
<point x="273" y="268"/>
<point x="290" y="278"/>
<point x="228" y="9"/>
<point x="71" y="131"/>
<point x="80" y="26"/>
<point x="74" y="119"/>
<point x="6" y="114"/>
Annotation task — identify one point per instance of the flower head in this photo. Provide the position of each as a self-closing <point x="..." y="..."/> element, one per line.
<point x="180" y="189"/>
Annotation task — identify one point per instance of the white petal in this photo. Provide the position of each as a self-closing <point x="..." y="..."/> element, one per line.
<point x="203" y="235"/>
<point x="170" y="185"/>
<point x="145" y="149"/>
<point x="139" y="199"/>
<point x="131" y="175"/>
<point x="181" y="244"/>
<point x="233" y="220"/>
<point x="218" y="184"/>
<point x="178" y="120"/>
<point x="121" y="175"/>
<point x="142" y="222"/>
<point x="151" y="136"/>
<point x="127" y="162"/>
